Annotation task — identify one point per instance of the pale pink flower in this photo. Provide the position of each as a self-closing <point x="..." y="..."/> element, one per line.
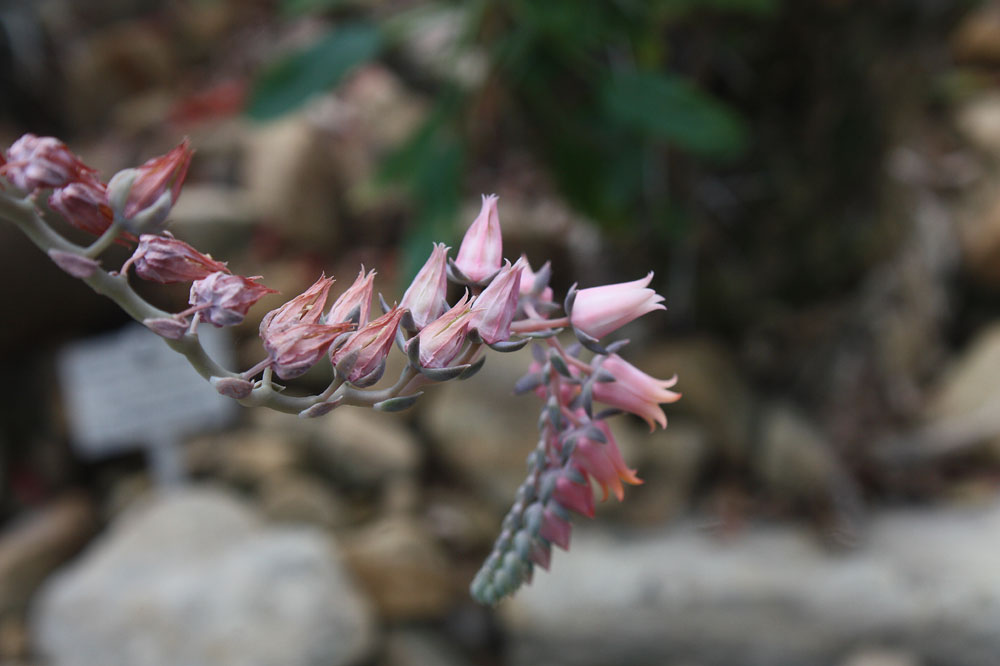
<point x="603" y="462"/>
<point x="296" y="348"/>
<point x="306" y="308"/>
<point x="425" y="297"/>
<point x="372" y="344"/>
<point x="481" y="252"/>
<point x="84" y="204"/>
<point x="600" y="310"/>
<point x="224" y="299"/>
<point x="497" y="305"/>
<point x="574" y="496"/>
<point x="528" y="281"/>
<point x="634" y="391"/>
<point x="357" y="297"/>
<point x="442" y="339"/>
<point x="166" y="260"/>
<point x="45" y="161"/>
<point x="161" y="174"/>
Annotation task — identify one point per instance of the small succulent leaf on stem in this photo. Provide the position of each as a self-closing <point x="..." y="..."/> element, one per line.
<point x="397" y="404"/>
<point x="444" y="374"/>
<point x="590" y="342"/>
<point x="168" y="327"/>
<point x="232" y="387"/>
<point x="320" y="409"/>
<point x="559" y="364"/>
<point x="507" y="346"/>
<point x="76" y="265"/>
<point x="528" y="383"/>
<point x="569" y="301"/>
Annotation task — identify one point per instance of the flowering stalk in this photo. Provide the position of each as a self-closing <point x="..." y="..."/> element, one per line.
<point x="504" y="307"/>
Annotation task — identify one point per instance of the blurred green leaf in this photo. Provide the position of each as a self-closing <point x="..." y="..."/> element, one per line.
<point x="290" y="82"/>
<point x="761" y="7"/>
<point x="668" y="108"/>
<point x="297" y="7"/>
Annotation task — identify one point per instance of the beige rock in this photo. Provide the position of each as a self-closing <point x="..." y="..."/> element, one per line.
<point x="882" y="657"/>
<point x="403" y="568"/>
<point x="977" y="37"/>
<point x="31" y="548"/>
<point x="297" y="498"/>
<point x="243" y="456"/>
<point x="979" y="121"/>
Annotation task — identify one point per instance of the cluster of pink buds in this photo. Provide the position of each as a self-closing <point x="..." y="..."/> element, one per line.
<point x="503" y="306"/>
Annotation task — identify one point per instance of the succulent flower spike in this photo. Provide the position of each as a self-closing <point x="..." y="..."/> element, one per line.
<point x="497" y="305"/>
<point x="84" y="204"/>
<point x="166" y="260"/>
<point x="355" y="303"/>
<point x="634" y="391"/>
<point x="600" y="310"/>
<point x="481" y="252"/>
<point x="370" y="346"/>
<point x="223" y="299"/>
<point x="425" y="297"/>
<point x="34" y="162"/>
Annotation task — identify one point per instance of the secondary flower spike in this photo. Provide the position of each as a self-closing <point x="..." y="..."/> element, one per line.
<point x="481" y="252"/>
<point x="635" y="391"/>
<point x="600" y="310"/>
<point x="45" y="161"/>
<point x="425" y="297"/>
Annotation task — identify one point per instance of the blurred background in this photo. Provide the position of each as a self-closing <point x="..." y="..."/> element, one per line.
<point x="815" y="185"/>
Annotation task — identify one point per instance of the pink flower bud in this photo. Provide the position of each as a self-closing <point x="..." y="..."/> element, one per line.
<point x="34" y="162"/>
<point x="574" y="496"/>
<point x="497" y="305"/>
<point x="425" y="297"/>
<point x="371" y="344"/>
<point x="306" y="308"/>
<point x="157" y="176"/>
<point x="166" y="260"/>
<point x="441" y="340"/>
<point x="635" y="391"/>
<point x="600" y="310"/>
<point x="357" y="297"/>
<point x="294" y="349"/>
<point x="224" y="299"/>
<point x="555" y="529"/>
<point x="481" y="252"/>
<point x="84" y="204"/>
<point x="528" y="281"/>
<point x="604" y="462"/>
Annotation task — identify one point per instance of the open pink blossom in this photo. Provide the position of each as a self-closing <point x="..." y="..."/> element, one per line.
<point x="166" y="260"/>
<point x="600" y="310"/>
<point x="357" y="297"/>
<point x="43" y="161"/>
<point x="224" y="299"/>
<point x="425" y="297"/>
<point x="636" y="392"/>
<point x="372" y="344"/>
<point x="481" y="252"/>
<point x="497" y="305"/>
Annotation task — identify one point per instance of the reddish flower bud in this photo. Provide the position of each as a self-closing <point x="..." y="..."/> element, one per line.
<point x="84" y="204"/>
<point x="635" y="391"/>
<point x="574" y="496"/>
<point x="34" y="162"/>
<point x="224" y="299"/>
<point x="166" y="260"/>
<point x="481" y="252"/>
<point x="157" y="176"/>
<point x="306" y="308"/>
<point x="497" y="305"/>
<point x="442" y="339"/>
<point x="294" y="349"/>
<point x="357" y="297"/>
<point x="425" y="297"/>
<point x="371" y="344"/>
<point x="600" y="310"/>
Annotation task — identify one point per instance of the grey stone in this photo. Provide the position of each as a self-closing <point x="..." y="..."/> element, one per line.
<point x="926" y="583"/>
<point x="420" y="647"/>
<point x="192" y="578"/>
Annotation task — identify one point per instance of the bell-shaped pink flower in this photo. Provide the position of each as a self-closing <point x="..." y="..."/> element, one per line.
<point x="497" y="305"/>
<point x="574" y="496"/>
<point x="166" y="260"/>
<point x="224" y="299"/>
<point x="481" y="252"/>
<point x="157" y="176"/>
<point x="357" y="297"/>
<point x="604" y="463"/>
<point x="600" y="310"/>
<point x="84" y="204"/>
<point x="634" y="391"/>
<point x="425" y="297"/>
<point x="372" y="344"/>
<point x="442" y="340"/>
<point x="34" y="161"/>
<point x="306" y="308"/>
